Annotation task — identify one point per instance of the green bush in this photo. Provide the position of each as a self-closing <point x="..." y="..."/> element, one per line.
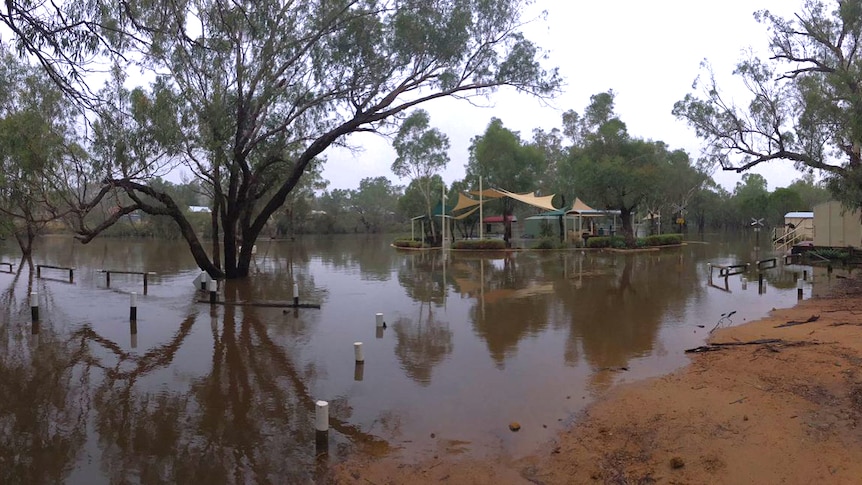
<point x="487" y="244"/>
<point x="663" y="240"/>
<point x="606" y="242"/>
<point x="618" y="242"/>
<point x="408" y="243"/>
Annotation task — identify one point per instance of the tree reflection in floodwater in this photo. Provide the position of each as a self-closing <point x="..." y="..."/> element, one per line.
<point x="513" y="301"/>
<point x="616" y="315"/>
<point x="44" y="385"/>
<point x="246" y="421"/>
<point x="422" y="344"/>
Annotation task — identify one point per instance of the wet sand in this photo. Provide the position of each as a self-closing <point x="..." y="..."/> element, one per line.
<point x="782" y="412"/>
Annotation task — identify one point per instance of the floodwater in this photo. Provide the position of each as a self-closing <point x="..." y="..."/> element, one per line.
<point x="225" y="394"/>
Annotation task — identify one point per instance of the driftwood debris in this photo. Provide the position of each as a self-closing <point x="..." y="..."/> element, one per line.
<point x="772" y="344"/>
<point x="791" y="323"/>
<point x="723" y="345"/>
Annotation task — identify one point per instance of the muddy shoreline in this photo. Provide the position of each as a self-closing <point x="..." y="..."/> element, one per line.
<point x="778" y="412"/>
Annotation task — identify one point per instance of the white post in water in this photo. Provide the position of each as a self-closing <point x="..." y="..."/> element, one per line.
<point x="321" y="425"/>
<point x="34" y="306"/>
<point x="295" y="294"/>
<point x="213" y="294"/>
<point x="379" y="319"/>
<point x="204" y="281"/>
<point x="321" y="416"/>
<point x="357" y="351"/>
<point x="744" y="283"/>
<point x="799" y="286"/>
<point x="133" y="306"/>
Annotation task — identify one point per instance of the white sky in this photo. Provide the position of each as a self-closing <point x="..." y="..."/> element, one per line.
<point x="648" y="52"/>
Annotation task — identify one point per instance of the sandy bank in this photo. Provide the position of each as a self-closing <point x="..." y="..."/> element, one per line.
<point x="784" y="412"/>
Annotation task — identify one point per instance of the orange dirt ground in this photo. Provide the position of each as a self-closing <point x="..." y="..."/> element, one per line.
<point x="786" y="412"/>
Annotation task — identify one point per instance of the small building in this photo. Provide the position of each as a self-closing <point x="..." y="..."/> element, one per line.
<point x="835" y="226"/>
<point x="547" y="223"/>
<point x="494" y="224"/>
<point x="798" y="228"/>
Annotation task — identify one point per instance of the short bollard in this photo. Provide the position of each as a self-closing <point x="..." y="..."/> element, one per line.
<point x="295" y="294"/>
<point x="357" y="352"/>
<point x="133" y="307"/>
<point x="744" y="283"/>
<point x="34" y="307"/>
<point x="799" y="284"/>
<point x="213" y="294"/>
<point x="379" y="319"/>
<point x="321" y="425"/>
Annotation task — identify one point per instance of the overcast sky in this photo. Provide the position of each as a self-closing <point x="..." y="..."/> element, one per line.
<point x="648" y="52"/>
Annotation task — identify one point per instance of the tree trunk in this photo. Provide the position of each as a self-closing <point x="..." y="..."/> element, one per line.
<point x="216" y="257"/>
<point x="507" y="223"/>
<point x="429" y="215"/>
<point x="25" y="241"/>
<point x="628" y="230"/>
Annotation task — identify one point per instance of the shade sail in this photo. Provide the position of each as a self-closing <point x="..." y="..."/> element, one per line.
<point x="579" y="206"/>
<point x="466" y="214"/>
<point x="543" y="202"/>
<point x="464" y="202"/>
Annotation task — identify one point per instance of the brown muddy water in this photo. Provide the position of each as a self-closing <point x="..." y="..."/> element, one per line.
<point x="226" y="394"/>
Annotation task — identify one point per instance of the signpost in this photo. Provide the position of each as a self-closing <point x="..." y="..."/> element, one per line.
<point x="681" y="212"/>
<point x="757" y="224"/>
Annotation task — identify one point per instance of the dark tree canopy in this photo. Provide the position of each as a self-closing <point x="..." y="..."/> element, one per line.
<point x="256" y="91"/>
<point x="806" y="99"/>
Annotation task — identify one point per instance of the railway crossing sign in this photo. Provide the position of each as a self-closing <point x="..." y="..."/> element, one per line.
<point x="680" y="209"/>
<point x="757" y="222"/>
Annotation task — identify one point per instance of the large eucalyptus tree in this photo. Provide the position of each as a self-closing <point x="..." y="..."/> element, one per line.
<point x="806" y="99"/>
<point x="261" y="89"/>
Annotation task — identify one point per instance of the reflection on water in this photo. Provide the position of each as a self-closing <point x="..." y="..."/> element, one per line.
<point x="226" y="394"/>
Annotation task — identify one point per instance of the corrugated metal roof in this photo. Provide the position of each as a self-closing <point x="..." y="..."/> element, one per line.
<point x="799" y="215"/>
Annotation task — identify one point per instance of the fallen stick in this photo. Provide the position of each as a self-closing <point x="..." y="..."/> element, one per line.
<point x="721" y="345"/>
<point x="766" y="342"/>
<point x="791" y="323"/>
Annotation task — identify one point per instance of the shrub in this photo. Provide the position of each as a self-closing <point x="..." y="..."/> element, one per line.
<point x="408" y="243"/>
<point x="606" y="242"/>
<point x="487" y="244"/>
<point x="832" y="254"/>
<point x="618" y="242"/>
<point x="663" y="240"/>
<point x="547" y="243"/>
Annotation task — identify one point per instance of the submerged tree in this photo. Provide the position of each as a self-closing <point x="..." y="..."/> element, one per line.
<point x="422" y="153"/>
<point x="35" y="147"/>
<point x="260" y="89"/>
<point x="806" y="104"/>
<point x="613" y="169"/>
<point x="504" y="161"/>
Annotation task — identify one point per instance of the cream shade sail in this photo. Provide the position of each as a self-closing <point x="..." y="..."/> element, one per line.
<point x="542" y="202"/>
